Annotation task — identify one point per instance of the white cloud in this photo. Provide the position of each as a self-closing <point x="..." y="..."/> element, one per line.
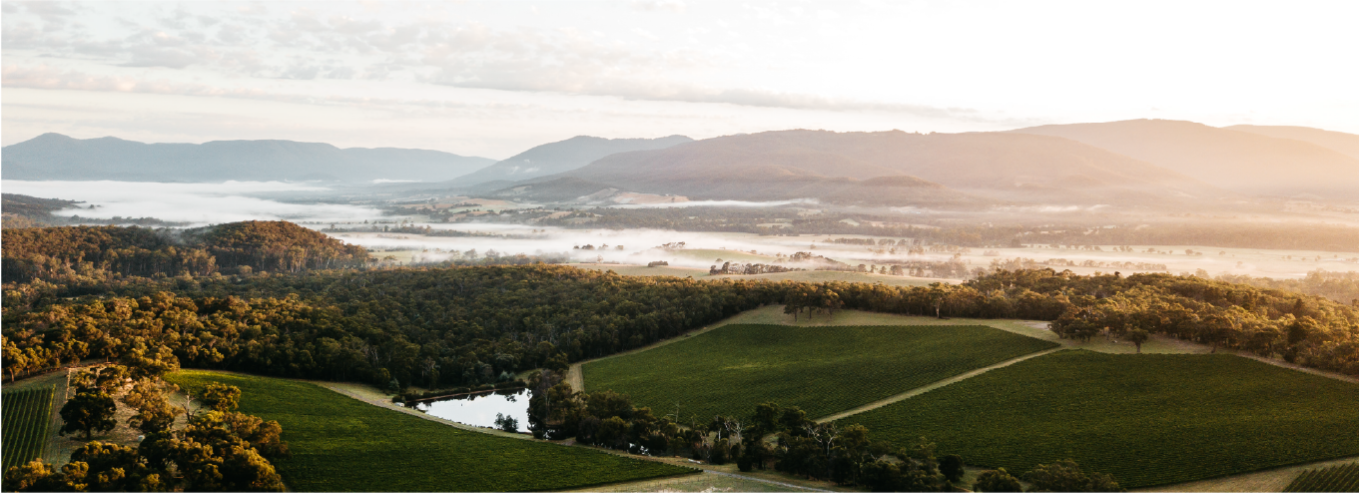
<point x="676" y="6"/>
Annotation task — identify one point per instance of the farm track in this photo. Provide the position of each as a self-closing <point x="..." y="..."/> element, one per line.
<point x="927" y="388"/>
<point x="766" y="481"/>
<point x="576" y="377"/>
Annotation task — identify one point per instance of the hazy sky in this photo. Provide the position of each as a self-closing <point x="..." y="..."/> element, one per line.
<point x="494" y="78"/>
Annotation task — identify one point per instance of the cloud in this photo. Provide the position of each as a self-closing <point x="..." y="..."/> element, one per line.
<point x="147" y="56"/>
<point x="676" y="6"/>
<point x="307" y="44"/>
<point x="44" y="77"/>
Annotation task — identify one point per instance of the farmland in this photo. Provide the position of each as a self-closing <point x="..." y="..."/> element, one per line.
<point x="342" y="444"/>
<point x="27" y="414"/>
<point x="1336" y="478"/>
<point x="1148" y="419"/>
<point x="823" y="370"/>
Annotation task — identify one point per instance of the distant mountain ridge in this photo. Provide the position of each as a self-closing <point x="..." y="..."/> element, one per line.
<point x="558" y="157"/>
<point x="1245" y="160"/>
<point x="1348" y="144"/>
<point x="882" y="168"/>
<point x="58" y="157"/>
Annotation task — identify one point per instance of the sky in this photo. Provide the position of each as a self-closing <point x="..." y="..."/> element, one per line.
<point x="495" y="78"/>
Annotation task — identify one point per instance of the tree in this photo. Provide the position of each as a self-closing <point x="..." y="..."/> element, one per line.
<point x="35" y="476"/>
<point x="952" y="467"/>
<point x="998" y="480"/>
<point x="88" y="411"/>
<point x="1137" y="337"/>
<point x="105" y="378"/>
<point x="1066" y="475"/>
<point x="507" y="423"/>
<point x="221" y="397"/>
<point x="154" y="411"/>
<point x="155" y="416"/>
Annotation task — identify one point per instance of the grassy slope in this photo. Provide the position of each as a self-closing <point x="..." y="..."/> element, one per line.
<point x="1146" y="419"/>
<point x="341" y="444"/>
<point x="820" y="369"/>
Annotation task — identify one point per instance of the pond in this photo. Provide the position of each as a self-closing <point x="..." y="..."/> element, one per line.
<point x="480" y="409"/>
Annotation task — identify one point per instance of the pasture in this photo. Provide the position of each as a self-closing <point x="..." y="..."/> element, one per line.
<point x="1149" y="419"/>
<point x="27" y="414"/>
<point x="342" y="444"/>
<point x="823" y="370"/>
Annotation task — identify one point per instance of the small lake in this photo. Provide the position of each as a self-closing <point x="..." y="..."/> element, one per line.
<point x="480" y="409"/>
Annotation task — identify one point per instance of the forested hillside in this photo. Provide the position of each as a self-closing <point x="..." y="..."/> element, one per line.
<point x="474" y="325"/>
<point x="85" y="255"/>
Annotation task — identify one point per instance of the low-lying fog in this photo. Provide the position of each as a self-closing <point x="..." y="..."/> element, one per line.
<point x="702" y="250"/>
<point x="198" y="204"/>
<point x="209" y="203"/>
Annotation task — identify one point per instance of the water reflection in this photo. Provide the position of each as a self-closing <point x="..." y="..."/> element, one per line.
<point x="480" y="409"/>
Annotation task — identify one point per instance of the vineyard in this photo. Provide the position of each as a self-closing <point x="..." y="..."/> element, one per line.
<point x="342" y="444"/>
<point x="27" y="414"/>
<point x="823" y="370"/>
<point x="1345" y="477"/>
<point x="1149" y="419"/>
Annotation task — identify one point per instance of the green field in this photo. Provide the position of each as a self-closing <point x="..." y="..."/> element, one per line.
<point x="1338" y="478"/>
<point x="1148" y="419"/>
<point x="821" y="369"/>
<point x="342" y="444"/>
<point x="26" y="414"/>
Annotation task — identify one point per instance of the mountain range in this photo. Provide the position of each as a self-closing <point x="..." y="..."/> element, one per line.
<point x="882" y="168"/>
<point x="558" y="157"/>
<point x="1157" y="162"/>
<point x="1273" y="161"/>
<point x="58" y="157"/>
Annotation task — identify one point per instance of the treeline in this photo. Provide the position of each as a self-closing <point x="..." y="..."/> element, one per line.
<point x="463" y="327"/>
<point x="1029" y="263"/>
<point x="430" y="327"/>
<point x="773" y="437"/>
<point x="1306" y="330"/>
<point x="736" y="268"/>
<point x="97" y="254"/>
<point x="800" y="447"/>
<point x="1341" y="287"/>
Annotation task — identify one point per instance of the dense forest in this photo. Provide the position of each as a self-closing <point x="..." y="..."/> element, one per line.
<point x="464" y="326"/>
<point x="85" y="254"/>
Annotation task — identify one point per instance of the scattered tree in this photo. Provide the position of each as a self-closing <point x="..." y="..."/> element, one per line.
<point x="997" y="481"/>
<point x="89" y="411"/>
<point x="1066" y="475"/>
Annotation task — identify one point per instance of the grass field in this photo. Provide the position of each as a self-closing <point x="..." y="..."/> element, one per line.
<point x="1147" y="419"/>
<point x="342" y="444"/>
<point x="1337" y="478"/>
<point x="823" y="370"/>
<point x="27" y="415"/>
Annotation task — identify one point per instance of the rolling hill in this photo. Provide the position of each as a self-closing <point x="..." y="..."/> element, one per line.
<point x="887" y="168"/>
<point x="58" y="157"/>
<point x="1348" y="144"/>
<point x="1251" y="162"/>
<point x="558" y="157"/>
